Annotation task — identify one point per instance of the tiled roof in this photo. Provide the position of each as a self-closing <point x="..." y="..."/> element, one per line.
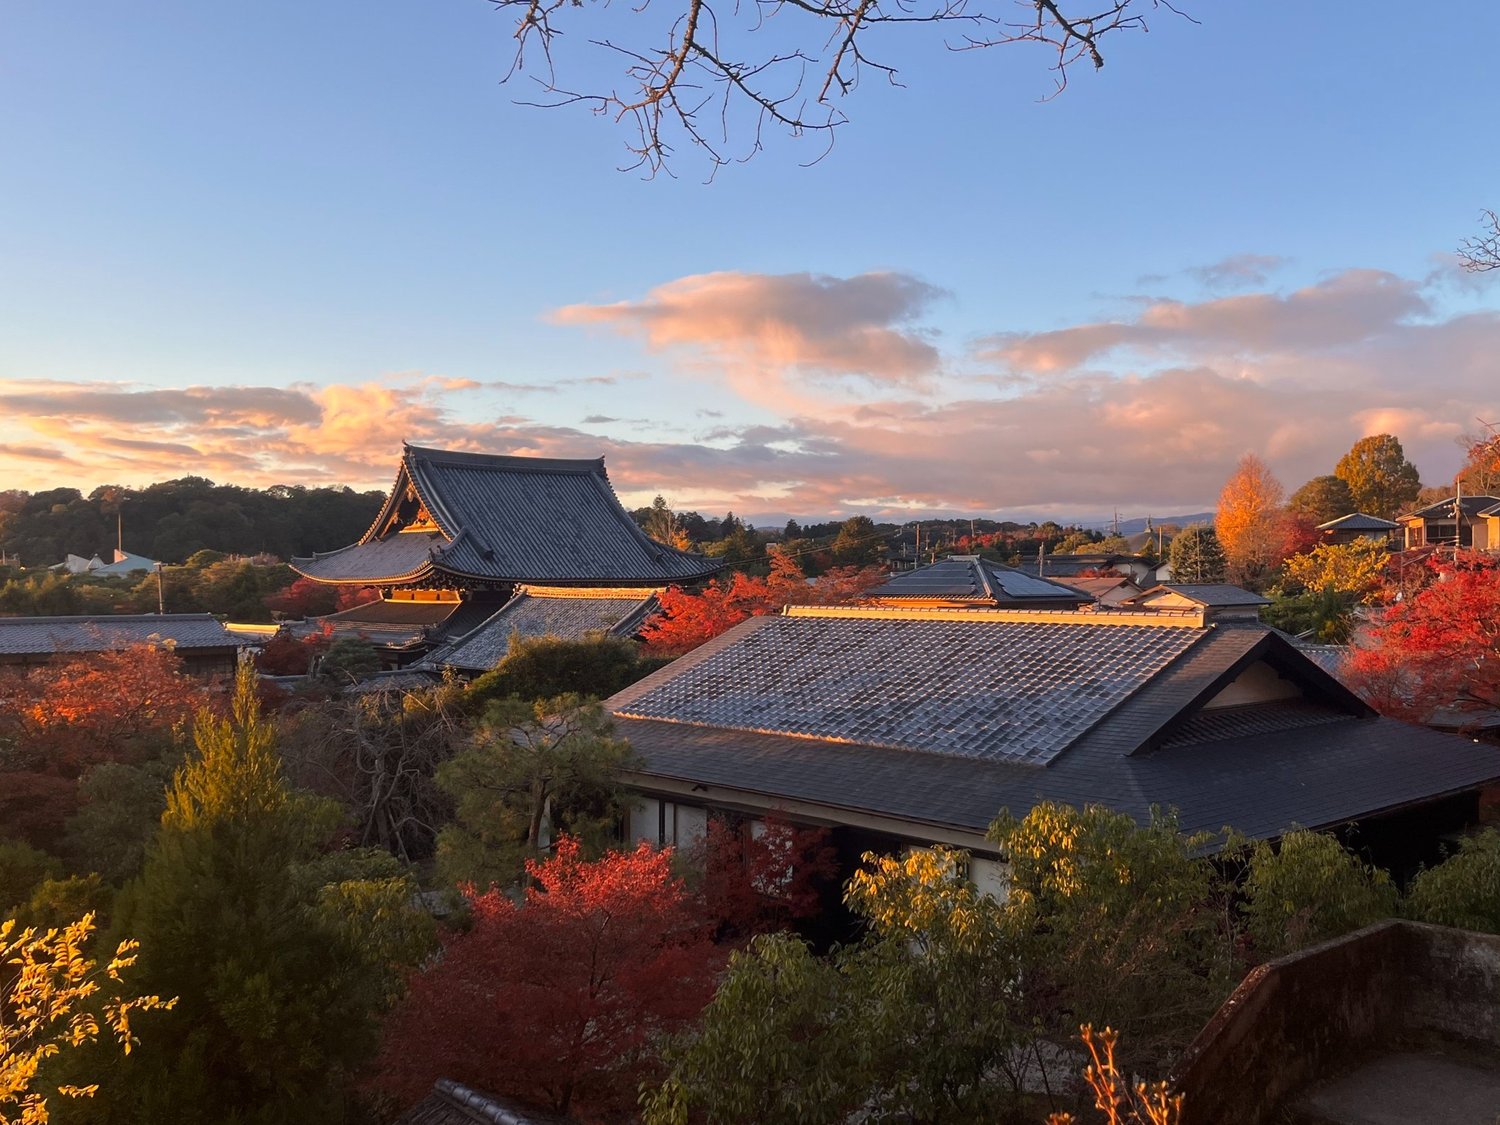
<point x="539" y="612"/>
<point x="1443" y="509"/>
<point x="1098" y="587"/>
<point x="453" y="1104"/>
<point x="971" y="578"/>
<point x="991" y="688"/>
<point x="402" y="679"/>
<point x="508" y="519"/>
<point x="912" y="717"/>
<point x="1068" y="566"/>
<point x="1212" y="594"/>
<point x="105" y="633"/>
<point x="1358" y="521"/>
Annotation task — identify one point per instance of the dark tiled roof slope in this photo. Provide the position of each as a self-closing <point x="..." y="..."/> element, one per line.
<point x="971" y="578"/>
<point x="1213" y="594"/>
<point x="1443" y="509"/>
<point x="453" y="1104"/>
<point x="510" y="519"/>
<point x="711" y="719"/>
<point x="105" y="633"/>
<point x="987" y="688"/>
<point x="530" y="614"/>
<point x="1358" y="521"/>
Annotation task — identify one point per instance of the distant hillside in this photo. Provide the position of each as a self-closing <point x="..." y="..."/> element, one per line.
<point x="1136" y="526"/>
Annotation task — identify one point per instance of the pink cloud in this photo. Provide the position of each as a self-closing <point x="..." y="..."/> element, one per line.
<point x="808" y="322"/>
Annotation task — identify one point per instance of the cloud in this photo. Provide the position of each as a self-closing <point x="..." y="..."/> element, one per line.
<point x="1237" y="271"/>
<point x="1347" y="308"/>
<point x="809" y="323"/>
<point x="1148" y="413"/>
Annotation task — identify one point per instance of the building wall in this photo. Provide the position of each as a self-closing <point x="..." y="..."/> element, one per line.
<point x="1259" y="683"/>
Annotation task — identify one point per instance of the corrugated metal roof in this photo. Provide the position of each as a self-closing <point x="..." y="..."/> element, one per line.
<point x="511" y="519"/>
<point x="106" y="633"/>
<point x="989" y="688"/>
<point x="571" y="615"/>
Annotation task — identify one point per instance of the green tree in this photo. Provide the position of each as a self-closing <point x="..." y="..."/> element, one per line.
<point x="913" y="1023"/>
<point x="348" y="661"/>
<point x="1463" y="890"/>
<point x="1310" y="888"/>
<point x="1321" y="499"/>
<point x="1325" y="616"/>
<point x="1356" y="569"/>
<point x="1119" y="923"/>
<point x="858" y="543"/>
<point x="534" y="766"/>
<point x="119" y="809"/>
<point x="546" y="667"/>
<point x="1196" y="555"/>
<point x="1380" y="478"/>
<point x="282" y="954"/>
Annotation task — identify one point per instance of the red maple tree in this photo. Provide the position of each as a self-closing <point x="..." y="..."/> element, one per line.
<point x="558" y="1001"/>
<point x="1438" y="648"/>
<point x="687" y="620"/>
<point x="762" y="877"/>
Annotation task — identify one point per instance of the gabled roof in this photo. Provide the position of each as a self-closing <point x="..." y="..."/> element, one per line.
<point x="1472" y="506"/>
<point x="534" y="611"/>
<point x="943" y="718"/>
<point x="1065" y="566"/>
<point x="451" y="1103"/>
<point x="970" y="578"/>
<point x="107" y="633"/>
<point x="1358" y="521"/>
<point x="503" y="519"/>
<point x="1211" y="595"/>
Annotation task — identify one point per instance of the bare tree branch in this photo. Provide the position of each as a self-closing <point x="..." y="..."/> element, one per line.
<point x="1483" y="252"/>
<point x="700" y="69"/>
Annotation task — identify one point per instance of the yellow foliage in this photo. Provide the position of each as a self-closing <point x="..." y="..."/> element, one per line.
<point x="1346" y="568"/>
<point x="48" y="986"/>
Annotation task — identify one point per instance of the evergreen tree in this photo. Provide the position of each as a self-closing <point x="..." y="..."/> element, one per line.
<point x="282" y="955"/>
<point x="858" y="543"/>
<point x="1197" y="556"/>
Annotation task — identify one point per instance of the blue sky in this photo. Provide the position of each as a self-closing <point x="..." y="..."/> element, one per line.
<point x="267" y="242"/>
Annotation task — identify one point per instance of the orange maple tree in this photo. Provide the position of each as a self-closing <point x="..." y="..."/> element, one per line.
<point x="558" y="1001"/>
<point x="1251" y="523"/>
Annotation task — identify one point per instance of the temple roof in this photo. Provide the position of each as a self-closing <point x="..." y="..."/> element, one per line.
<point x="538" y="611"/>
<point x="499" y="519"/>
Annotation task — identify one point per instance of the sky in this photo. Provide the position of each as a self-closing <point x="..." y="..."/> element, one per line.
<point x="266" y="243"/>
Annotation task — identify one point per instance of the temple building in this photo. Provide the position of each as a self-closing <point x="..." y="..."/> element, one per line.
<point x="463" y="534"/>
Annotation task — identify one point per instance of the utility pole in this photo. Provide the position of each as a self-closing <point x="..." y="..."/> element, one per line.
<point x="161" y="600"/>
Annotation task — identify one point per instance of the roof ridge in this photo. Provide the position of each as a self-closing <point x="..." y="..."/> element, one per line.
<point x="1095" y="615"/>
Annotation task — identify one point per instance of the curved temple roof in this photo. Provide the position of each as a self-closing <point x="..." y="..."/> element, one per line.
<point x="500" y="519"/>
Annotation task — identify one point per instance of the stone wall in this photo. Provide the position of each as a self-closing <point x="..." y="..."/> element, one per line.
<point x="1319" y="1011"/>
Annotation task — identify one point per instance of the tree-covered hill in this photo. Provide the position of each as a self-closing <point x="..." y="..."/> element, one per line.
<point x="174" y="519"/>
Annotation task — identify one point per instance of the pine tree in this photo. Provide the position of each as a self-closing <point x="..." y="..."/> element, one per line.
<point x="282" y="955"/>
<point x="1197" y="555"/>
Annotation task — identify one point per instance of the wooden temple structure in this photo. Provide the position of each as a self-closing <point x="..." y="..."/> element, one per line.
<point x="464" y="535"/>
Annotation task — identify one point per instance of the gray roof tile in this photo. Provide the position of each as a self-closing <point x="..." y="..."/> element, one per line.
<point x="509" y="519"/>
<point x="105" y="633"/>
<point x="569" y="614"/>
<point x="989" y="688"/>
<point x="972" y="578"/>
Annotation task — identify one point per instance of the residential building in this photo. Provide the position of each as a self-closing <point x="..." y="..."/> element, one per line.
<point x="204" y="645"/>
<point x="1357" y="525"/>
<point x="1217" y="600"/>
<point x="969" y="580"/>
<point x="1459" y="521"/>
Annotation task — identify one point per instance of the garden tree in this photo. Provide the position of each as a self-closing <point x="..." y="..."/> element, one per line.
<point x="916" y="1022"/>
<point x="1380" y="478"/>
<point x="303" y="598"/>
<point x="377" y="755"/>
<point x="1357" y="568"/>
<point x="714" y="79"/>
<point x="763" y="876"/>
<point x="1196" y="555"/>
<point x="1307" y="889"/>
<point x="54" y="997"/>
<point x="288" y="655"/>
<point x="1440" y="647"/>
<point x="1463" y="890"/>
<point x="1325" y="616"/>
<point x="1117" y="921"/>
<point x="1122" y="1099"/>
<point x="559" y="1000"/>
<point x="661" y="524"/>
<point x="858" y="543"/>
<point x="1250" y="522"/>
<point x="348" y="661"/>
<point x="22" y="869"/>
<point x="546" y="667"/>
<point x="282" y="954"/>
<point x="98" y="707"/>
<point x="1321" y="499"/>
<point x="532" y="766"/>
